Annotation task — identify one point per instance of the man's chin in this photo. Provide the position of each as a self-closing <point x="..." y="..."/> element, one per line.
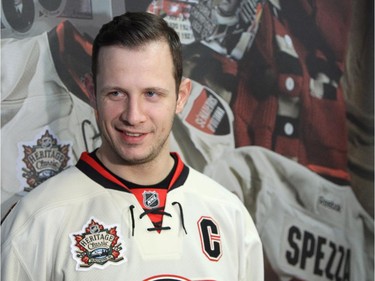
<point x="137" y="159"/>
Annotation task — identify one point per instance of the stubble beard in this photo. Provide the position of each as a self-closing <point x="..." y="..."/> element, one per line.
<point x="150" y="154"/>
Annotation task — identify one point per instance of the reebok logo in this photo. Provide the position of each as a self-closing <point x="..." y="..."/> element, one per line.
<point x="330" y="204"/>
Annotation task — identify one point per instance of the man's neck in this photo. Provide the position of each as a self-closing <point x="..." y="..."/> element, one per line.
<point x="143" y="174"/>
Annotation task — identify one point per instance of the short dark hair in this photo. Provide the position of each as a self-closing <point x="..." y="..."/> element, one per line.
<point x="134" y="29"/>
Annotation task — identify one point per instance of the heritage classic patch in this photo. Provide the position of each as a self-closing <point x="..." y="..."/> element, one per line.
<point x="97" y="246"/>
<point x="42" y="159"/>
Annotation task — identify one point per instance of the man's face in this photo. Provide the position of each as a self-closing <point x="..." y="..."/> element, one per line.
<point x="228" y="7"/>
<point x="136" y="102"/>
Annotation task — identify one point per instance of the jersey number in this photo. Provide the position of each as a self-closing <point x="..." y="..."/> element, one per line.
<point x="210" y="238"/>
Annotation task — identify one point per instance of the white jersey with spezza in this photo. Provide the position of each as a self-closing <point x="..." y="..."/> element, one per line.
<point x="311" y="228"/>
<point x="86" y="224"/>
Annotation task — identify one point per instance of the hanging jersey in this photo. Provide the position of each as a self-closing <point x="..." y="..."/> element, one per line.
<point x="289" y="96"/>
<point x="85" y="224"/>
<point x="311" y="229"/>
<point x="45" y="127"/>
<point x="204" y="129"/>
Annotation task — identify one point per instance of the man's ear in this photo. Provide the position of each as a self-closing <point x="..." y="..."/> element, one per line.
<point x="183" y="94"/>
<point x="90" y="86"/>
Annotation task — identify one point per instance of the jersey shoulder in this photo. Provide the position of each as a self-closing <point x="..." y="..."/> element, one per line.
<point x="70" y="183"/>
<point x="206" y="187"/>
<point x="70" y="187"/>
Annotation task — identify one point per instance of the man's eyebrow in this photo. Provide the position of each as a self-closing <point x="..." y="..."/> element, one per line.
<point x="156" y="89"/>
<point x="109" y="88"/>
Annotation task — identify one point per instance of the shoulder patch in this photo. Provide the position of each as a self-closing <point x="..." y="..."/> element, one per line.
<point x="97" y="246"/>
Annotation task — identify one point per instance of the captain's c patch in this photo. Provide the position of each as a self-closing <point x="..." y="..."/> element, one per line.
<point x="97" y="246"/>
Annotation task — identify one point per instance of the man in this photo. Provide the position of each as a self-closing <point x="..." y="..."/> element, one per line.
<point x="131" y="210"/>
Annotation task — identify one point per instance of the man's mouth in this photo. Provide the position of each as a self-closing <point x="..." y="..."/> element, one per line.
<point x="133" y="134"/>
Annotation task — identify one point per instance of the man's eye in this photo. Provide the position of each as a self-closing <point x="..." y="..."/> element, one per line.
<point x="115" y="94"/>
<point x="151" y="93"/>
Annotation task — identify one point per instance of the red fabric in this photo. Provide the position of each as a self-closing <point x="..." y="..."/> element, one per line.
<point x="319" y="34"/>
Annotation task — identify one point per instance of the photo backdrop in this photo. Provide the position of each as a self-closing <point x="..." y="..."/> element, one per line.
<point x="281" y="113"/>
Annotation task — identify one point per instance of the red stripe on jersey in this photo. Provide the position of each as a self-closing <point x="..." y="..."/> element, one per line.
<point x="95" y="165"/>
<point x="142" y="193"/>
<point x="179" y="169"/>
<point x="335" y="173"/>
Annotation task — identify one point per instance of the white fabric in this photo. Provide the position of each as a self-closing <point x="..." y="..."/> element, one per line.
<point x="38" y="235"/>
<point x="306" y="223"/>
<point x="34" y="100"/>
<point x="195" y="134"/>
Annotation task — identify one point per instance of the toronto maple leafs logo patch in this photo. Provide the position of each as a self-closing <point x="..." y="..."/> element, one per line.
<point x="97" y="246"/>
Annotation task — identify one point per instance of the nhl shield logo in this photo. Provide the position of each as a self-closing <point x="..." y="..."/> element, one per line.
<point x="150" y="199"/>
<point x="96" y="246"/>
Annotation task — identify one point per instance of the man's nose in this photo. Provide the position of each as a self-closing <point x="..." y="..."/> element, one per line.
<point x="134" y="111"/>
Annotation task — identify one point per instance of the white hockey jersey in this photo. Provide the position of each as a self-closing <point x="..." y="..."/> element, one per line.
<point x="45" y="127"/>
<point x="311" y="228"/>
<point x="85" y="224"/>
<point x="204" y="129"/>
